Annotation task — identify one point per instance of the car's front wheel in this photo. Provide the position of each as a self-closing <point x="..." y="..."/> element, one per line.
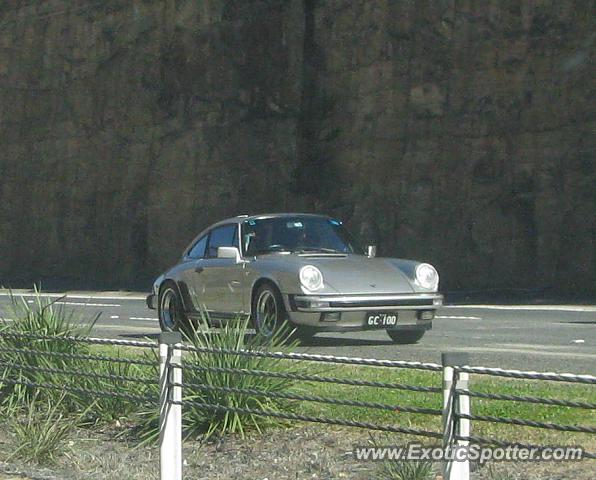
<point x="404" y="337"/>
<point x="268" y="311"/>
<point x="170" y="310"/>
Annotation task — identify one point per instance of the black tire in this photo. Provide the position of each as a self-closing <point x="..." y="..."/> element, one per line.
<point x="170" y="309"/>
<point x="404" y="337"/>
<point x="268" y="311"/>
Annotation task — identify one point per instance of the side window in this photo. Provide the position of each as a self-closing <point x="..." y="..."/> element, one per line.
<point x="224" y="236"/>
<point x="198" y="250"/>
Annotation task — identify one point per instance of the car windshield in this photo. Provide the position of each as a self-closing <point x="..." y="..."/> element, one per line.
<point x="298" y="234"/>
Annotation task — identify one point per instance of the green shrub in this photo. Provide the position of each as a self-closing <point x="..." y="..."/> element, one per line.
<point x="48" y="317"/>
<point x="233" y="336"/>
<point x="42" y="317"/>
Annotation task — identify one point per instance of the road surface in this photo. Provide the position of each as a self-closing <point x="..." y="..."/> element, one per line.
<point x="531" y="337"/>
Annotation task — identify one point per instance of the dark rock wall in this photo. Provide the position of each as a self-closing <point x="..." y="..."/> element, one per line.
<point x="459" y="132"/>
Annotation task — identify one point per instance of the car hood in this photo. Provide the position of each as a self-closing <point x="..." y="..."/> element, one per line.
<point x="353" y="274"/>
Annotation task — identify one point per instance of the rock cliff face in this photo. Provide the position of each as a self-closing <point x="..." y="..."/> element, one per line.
<point x="457" y="132"/>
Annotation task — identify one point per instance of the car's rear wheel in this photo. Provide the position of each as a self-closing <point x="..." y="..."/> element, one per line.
<point x="268" y="311"/>
<point x="170" y="309"/>
<point x="404" y="337"/>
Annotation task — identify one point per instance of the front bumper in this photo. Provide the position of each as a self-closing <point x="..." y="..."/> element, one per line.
<point x="355" y="303"/>
<point x="152" y="301"/>
<point x="349" y="312"/>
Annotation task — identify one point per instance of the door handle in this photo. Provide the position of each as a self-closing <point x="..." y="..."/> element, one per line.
<point x="199" y="269"/>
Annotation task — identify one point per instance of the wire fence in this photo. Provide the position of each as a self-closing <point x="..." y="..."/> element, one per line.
<point x="167" y="392"/>
<point x="32" y="366"/>
<point x="464" y="369"/>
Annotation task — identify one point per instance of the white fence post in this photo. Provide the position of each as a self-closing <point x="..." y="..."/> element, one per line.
<point x="462" y="427"/>
<point x="170" y="415"/>
<point x="453" y="426"/>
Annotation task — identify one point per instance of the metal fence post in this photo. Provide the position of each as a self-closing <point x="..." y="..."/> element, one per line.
<point x="454" y="426"/>
<point x="170" y="414"/>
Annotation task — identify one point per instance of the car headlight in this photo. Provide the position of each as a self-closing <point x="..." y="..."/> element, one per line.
<point x="427" y="276"/>
<point x="311" y="278"/>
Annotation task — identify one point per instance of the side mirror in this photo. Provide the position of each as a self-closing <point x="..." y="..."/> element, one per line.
<point x="229" y="252"/>
<point x="371" y="251"/>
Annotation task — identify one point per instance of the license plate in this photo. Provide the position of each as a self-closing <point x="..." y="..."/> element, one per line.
<point x="381" y="319"/>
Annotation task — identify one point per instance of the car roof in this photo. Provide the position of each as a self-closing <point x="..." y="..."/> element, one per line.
<point x="241" y="218"/>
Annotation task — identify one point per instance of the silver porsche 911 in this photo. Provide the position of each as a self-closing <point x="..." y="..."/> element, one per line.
<point x="306" y="269"/>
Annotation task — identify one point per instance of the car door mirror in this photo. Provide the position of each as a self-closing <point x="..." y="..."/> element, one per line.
<point x="371" y="251"/>
<point x="229" y="252"/>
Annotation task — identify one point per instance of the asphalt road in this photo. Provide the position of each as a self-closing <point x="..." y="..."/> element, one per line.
<point x="544" y="338"/>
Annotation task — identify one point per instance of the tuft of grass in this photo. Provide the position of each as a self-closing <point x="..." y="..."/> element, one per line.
<point x="234" y="336"/>
<point x="41" y="365"/>
<point x="39" y="430"/>
<point x="112" y="408"/>
<point x="407" y="470"/>
<point x="42" y="317"/>
<point x="401" y="469"/>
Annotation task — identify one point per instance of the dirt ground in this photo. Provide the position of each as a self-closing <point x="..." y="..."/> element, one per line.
<point x="297" y="453"/>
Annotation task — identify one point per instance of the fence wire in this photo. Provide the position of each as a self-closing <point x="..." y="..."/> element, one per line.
<point x="195" y="401"/>
<point x="311" y="398"/>
<point x="19" y="368"/>
<point x="78" y="373"/>
<point x="311" y="378"/>
<point x="554" y="377"/>
<point x="315" y="358"/>
<point x="528" y="423"/>
<point x="82" y="356"/>
<point x="77" y="339"/>
<point x="87" y="391"/>
<point x="312" y="419"/>
<point x="527" y="399"/>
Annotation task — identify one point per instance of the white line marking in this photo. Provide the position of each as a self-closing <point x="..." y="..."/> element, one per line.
<point x="559" y="308"/>
<point x="531" y="346"/>
<point x="532" y="352"/>
<point x="140" y="328"/>
<point x="456" y="317"/>
<point x="114" y="316"/>
<point x="75" y="296"/>
<point x="142" y="318"/>
<point x="85" y="304"/>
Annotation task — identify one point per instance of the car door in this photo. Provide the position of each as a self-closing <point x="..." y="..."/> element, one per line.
<point x="222" y="277"/>
<point x="193" y="267"/>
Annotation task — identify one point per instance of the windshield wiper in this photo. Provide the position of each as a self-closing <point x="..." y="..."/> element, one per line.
<point x="274" y="249"/>
<point x="317" y="249"/>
